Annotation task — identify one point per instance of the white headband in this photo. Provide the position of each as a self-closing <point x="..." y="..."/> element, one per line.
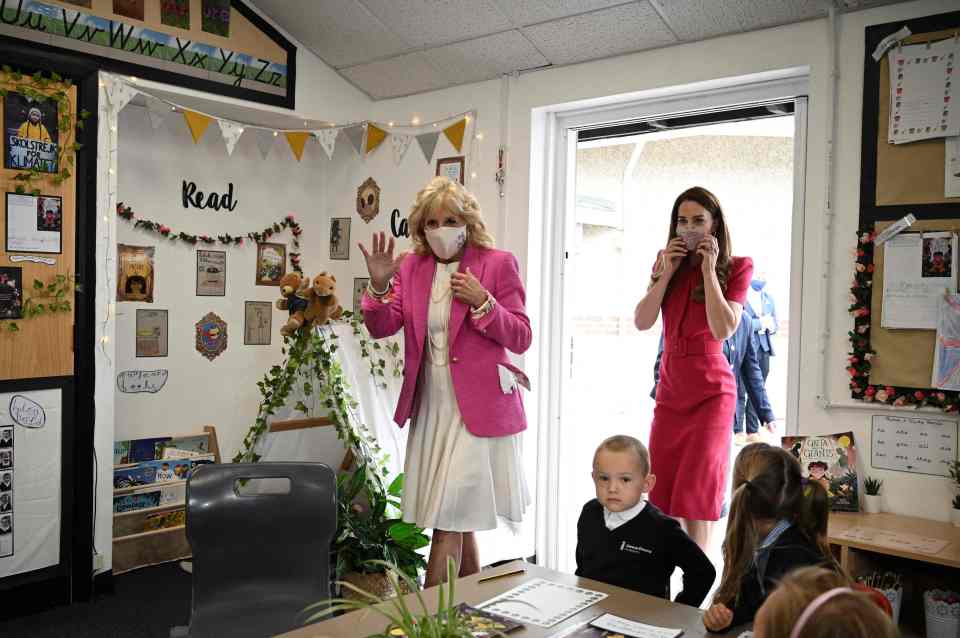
<point x="814" y="605"/>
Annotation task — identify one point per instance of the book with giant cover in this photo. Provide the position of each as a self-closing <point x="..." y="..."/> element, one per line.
<point x="831" y="461"/>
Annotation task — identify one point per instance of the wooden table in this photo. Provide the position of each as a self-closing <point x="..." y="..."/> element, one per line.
<point x="622" y="602"/>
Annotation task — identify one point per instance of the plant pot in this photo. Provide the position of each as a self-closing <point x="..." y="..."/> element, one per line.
<point x="955" y="517"/>
<point x="871" y="503"/>
<point x="375" y="583"/>
<point x="943" y="619"/>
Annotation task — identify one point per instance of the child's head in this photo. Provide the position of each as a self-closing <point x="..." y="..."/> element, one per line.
<point x="768" y="486"/>
<point x="621" y="472"/>
<point x="812" y="602"/>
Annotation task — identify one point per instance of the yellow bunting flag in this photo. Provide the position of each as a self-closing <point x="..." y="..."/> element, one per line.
<point x="375" y="137"/>
<point x="197" y="122"/>
<point x="455" y="132"/>
<point x="297" y="140"/>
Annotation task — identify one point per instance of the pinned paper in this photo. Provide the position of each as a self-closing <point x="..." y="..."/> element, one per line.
<point x="231" y="134"/>
<point x="428" y="144"/>
<point x="327" y="138"/>
<point x="198" y="123"/>
<point x="455" y="133"/>
<point x="297" y="140"/>
<point x="400" y="145"/>
<point x="375" y="137"/>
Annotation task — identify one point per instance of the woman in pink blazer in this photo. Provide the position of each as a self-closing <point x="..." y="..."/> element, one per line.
<point x="460" y="303"/>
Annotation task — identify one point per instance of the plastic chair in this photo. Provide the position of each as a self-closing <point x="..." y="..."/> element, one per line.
<point x="260" y="555"/>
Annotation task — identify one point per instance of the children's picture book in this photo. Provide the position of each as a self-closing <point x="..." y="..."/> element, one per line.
<point x="164" y="520"/>
<point x="133" y="502"/>
<point x="181" y="447"/>
<point x="121" y="452"/>
<point x="137" y="450"/>
<point x="830" y="460"/>
<point x="149" y="472"/>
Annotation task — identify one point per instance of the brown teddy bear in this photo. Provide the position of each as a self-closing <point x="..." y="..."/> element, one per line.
<point x="323" y="300"/>
<point x="295" y="298"/>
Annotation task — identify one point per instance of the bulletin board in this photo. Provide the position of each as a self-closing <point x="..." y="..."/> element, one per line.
<point x="907" y="178"/>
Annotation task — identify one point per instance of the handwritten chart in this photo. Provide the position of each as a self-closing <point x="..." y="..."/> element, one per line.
<point x="921" y="445"/>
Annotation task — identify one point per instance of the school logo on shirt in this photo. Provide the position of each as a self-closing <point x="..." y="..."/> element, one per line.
<point x="634" y="549"/>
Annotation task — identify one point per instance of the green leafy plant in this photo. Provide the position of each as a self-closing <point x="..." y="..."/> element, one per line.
<point x="956" y="502"/>
<point x="872" y="486"/>
<point x="446" y="622"/>
<point x="46" y="299"/>
<point x="954" y="468"/>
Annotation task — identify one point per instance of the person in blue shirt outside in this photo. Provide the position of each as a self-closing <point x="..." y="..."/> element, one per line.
<point x="762" y="311"/>
<point x="741" y="353"/>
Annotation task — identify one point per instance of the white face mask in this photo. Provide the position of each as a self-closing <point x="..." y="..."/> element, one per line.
<point x="446" y="241"/>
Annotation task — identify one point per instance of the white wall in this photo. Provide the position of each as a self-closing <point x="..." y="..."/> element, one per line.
<point x="800" y="45"/>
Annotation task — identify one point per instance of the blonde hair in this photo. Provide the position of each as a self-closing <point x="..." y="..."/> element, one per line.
<point x="622" y="443"/>
<point x="850" y="614"/>
<point x="442" y="192"/>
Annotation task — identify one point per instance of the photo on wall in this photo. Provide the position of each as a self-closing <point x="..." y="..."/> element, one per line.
<point x="11" y="293"/>
<point x="152" y="331"/>
<point x="33" y="224"/>
<point x="216" y="17"/>
<point x="6" y="535"/>
<point x="175" y="13"/>
<point x="340" y="238"/>
<point x="271" y="264"/>
<point x="129" y="8"/>
<point x="211" y="273"/>
<point x="30" y="133"/>
<point x="135" y="273"/>
<point x="451" y="167"/>
<point x="257" y="323"/>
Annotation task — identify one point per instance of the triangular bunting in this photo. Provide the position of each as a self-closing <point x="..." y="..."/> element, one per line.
<point x="455" y="132"/>
<point x="400" y="145"/>
<point x="198" y="123"/>
<point x="265" y="141"/>
<point x="428" y="144"/>
<point x="157" y="111"/>
<point x="119" y="94"/>
<point x="375" y="137"/>
<point x="297" y="140"/>
<point x="327" y="138"/>
<point x="355" y="135"/>
<point x="231" y="133"/>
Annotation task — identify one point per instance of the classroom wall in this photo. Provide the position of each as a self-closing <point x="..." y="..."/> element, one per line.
<point x="799" y="45"/>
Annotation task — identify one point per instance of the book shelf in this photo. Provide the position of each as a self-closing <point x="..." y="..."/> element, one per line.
<point x="156" y="532"/>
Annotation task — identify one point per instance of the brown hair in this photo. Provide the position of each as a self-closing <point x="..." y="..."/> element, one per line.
<point x="850" y="614"/>
<point x="622" y="443"/>
<point x="709" y="201"/>
<point x="768" y="485"/>
<point x="443" y="192"/>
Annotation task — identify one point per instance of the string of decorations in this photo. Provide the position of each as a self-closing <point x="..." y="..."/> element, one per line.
<point x="225" y="239"/>
<point x="862" y="354"/>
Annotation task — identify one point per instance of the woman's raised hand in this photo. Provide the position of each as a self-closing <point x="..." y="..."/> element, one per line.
<point x="381" y="264"/>
<point x="672" y="255"/>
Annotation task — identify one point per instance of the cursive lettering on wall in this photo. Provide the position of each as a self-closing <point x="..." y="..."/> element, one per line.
<point x="198" y="199"/>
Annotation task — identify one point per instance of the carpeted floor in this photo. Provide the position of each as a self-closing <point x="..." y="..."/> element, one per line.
<point x="145" y="604"/>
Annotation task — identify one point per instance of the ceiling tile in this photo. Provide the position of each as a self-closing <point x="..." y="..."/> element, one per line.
<point x="341" y="33"/>
<point x="430" y="23"/>
<point x="605" y="33"/>
<point x="767" y="13"/>
<point x="527" y="12"/>
<point x="698" y="19"/>
<point x="402" y="75"/>
<point x="485" y="58"/>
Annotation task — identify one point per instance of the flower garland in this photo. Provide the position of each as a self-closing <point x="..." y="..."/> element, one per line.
<point x="861" y="355"/>
<point x="126" y="213"/>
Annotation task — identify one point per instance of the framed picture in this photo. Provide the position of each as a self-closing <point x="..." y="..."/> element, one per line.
<point x="340" y="238"/>
<point x="451" y="167"/>
<point x="211" y="273"/>
<point x="175" y="13"/>
<point x="271" y="264"/>
<point x="257" y="323"/>
<point x="135" y="273"/>
<point x="11" y="293"/>
<point x="359" y="285"/>
<point x="151" y="333"/>
<point x="34" y="224"/>
<point x="30" y="133"/>
<point x="129" y="8"/>
<point x="211" y="333"/>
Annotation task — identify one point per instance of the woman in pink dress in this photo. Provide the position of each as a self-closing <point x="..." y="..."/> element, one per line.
<point x="701" y="289"/>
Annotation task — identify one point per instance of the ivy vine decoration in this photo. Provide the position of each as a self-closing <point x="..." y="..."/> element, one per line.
<point x="40" y="88"/>
<point x="861" y="354"/>
<point x="46" y="299"/>
<point x="289" y="222"/>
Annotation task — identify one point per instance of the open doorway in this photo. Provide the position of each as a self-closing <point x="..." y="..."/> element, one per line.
<point x="626" y="179"/>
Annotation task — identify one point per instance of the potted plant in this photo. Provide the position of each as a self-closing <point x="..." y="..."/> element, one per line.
<point x="871" y="500"/>
<point x="955" y="512"/>
<point x="954" y="468"/>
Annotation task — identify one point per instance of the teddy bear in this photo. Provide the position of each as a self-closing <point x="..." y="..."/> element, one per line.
<point x="295" y="295"/>
<point x="323" y="300"/>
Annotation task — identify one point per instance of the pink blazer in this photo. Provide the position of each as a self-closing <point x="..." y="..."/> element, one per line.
<point x="476" y="347"/>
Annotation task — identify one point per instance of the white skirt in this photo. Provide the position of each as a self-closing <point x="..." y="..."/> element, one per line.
<point x="455" y="481"/>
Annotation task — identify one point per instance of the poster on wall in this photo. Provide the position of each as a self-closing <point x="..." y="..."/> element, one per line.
<point x="211" y="334"/>
<point x="11" y="293"/>
<point x="257" y="323"/>
<point x="29" y="480"/>
<point x="34" y="224"/>
<point x="175" y="13"/>
<point x="271" y="264"/>
<point x="30" y="133"/>
<point x="135" y="273"/>
<point x="340" y="238"/>
<point x="216" y="17"/>
<point x="151" y="333"/>
<point x="129" y="8"/>
<point x="359" y="285"/>
<point x="451" y="167"/>
<point x="211" y="273"/>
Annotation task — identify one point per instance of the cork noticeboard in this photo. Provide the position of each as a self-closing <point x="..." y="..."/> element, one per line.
<point x="904" y="357"/>
<point x="908" y="173"/>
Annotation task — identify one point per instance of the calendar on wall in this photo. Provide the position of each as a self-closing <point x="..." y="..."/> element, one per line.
<point x="921" y="445"/>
